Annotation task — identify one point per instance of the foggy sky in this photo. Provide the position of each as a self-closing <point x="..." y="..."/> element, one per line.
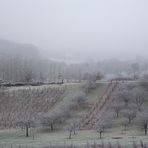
<point x="78" y="28"/>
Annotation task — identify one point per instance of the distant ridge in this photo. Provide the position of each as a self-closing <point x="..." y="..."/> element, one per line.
<point x="10" y="48"/>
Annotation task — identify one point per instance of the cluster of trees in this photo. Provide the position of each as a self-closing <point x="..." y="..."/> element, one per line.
<point x="21" y="66"/>
<point x="104" y="124"/>
<point x="23" y="63"/>
<point x="18" y="69"/>
<point x="59" y="115"/>
<point x="126" y="68"/>
<point x="130" y="105"/>
<point x="90" y="81"/>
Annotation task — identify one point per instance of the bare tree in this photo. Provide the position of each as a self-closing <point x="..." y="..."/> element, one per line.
<point x="26" y="124"/>
<point x="143" y="120"/>
<point x="70" y="129"/>
<point x="90" y="81"/>
<point x="79" y="99"/>
<point x="130" y="114"/>
<point x="49" y="120"/>
<point x="75" y="124"/>
<point x="139" y="96"/>
<point x="104" y="123"/>
<point x="88" y="86"/>
<point x="100" y="130"/>
<point x="99" y="76"/>
<point x="117" y="107"/>
<point x="124" y="94"/>
<point x="124" y="123"/>
<point x="28" y="75"/>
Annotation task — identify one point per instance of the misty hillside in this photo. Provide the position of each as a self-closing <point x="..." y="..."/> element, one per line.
<point x="9" y="48"/>
<point x="73" y="74"/>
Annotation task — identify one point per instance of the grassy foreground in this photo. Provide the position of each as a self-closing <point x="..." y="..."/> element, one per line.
<point x="42" y="138"/>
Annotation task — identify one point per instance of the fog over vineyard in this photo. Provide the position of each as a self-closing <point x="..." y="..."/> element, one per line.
<point x="73" y="73"/>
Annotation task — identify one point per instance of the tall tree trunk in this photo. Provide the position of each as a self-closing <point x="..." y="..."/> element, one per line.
<point x="145" y="129"/>
<point x="27" y="131"/>
<point x="125" y="126"/>
<point x="51" y="126"/>
<point x="129" y="120"/>
<point x="70" y="134"/>
<point x="100" y="135"/>
<point x="74" y="131"/>
<point x="117" y="114"/>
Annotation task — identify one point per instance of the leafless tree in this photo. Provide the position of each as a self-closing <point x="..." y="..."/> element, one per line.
<point x="26" y="124"/>
<point x="104" y="123"/>
<point x="124" y="123"/>
<point x="117" y="106"/>
<point x="72" y="125"/>
<point x="98" y="75"/>
<point x="143" y="120"/>
<point x="75" y="123"/>
<point x="124" y="94"/>
<point x="90" y="81"/>
<point x="100" y="130"/>
<point x="130" y="114"/>
<point x="88" y="86"/>
<point x="79" y="99"/>
<point x="70" y="129"/>
<point x="139" y="95"/>
<point x="49" y="120"/>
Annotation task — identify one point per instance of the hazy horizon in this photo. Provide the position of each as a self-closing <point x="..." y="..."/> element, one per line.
<point x="80" y="29"/>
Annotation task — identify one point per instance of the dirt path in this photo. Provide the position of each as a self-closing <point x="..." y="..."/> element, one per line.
<point x="99" y="108"/>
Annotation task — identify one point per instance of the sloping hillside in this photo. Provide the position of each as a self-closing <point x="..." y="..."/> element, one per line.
<point x="9" y="48"/>
<point x="27" y="103"/>
<point x="91" y="98"/>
